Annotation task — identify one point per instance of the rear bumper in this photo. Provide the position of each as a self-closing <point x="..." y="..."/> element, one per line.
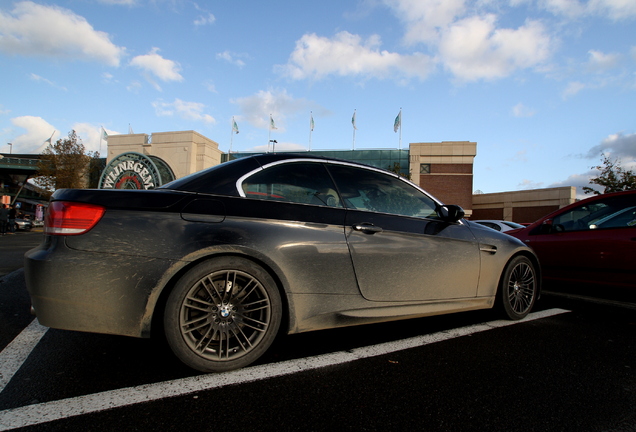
<point x="92" y="291"/>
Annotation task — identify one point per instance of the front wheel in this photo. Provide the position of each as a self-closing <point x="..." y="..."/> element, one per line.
<point x="518" y="288"/>
<point x="223" y="314"/>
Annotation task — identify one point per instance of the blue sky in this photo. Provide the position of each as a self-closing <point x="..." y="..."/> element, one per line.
<point x="543" y="86"/>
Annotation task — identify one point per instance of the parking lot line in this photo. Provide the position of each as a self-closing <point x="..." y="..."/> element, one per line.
<point x="55" y="410"/>
<point x="12" y="357"/>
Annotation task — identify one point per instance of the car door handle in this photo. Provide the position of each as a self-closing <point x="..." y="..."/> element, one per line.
<point x="367" y="228"/>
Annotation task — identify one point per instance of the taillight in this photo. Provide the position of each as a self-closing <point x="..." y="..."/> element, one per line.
<point x="71" y="218"/>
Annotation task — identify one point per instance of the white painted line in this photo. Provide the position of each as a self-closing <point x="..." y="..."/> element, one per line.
<point x="12" y="357"/>
<point x="45" y="412"/>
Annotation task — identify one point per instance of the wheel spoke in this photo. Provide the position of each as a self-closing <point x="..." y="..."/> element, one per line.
<point x="202" y="344"/>
<point x="225" y="315"/>
<point x="248" y="306"/>
<point x="210" y="287"/>
<point x="206" y="305"/>
<point x="521" y="288"/>
<point x="189" y="327"/>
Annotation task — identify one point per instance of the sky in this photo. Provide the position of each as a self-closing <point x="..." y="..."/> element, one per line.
<point x="544" y="87"/>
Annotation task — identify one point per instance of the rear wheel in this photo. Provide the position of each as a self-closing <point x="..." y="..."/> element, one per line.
<point x="223" y="314"/>
<point x="518" y="288"/>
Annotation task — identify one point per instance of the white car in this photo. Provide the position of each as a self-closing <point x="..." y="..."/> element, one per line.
<point x="499" y="225"/>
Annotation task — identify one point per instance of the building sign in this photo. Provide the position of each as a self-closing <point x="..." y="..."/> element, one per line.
<point x="135" y="171"/>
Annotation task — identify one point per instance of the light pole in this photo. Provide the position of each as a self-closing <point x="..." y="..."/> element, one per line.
<point x="10" y="148"/>
<point x="274" y="142"/>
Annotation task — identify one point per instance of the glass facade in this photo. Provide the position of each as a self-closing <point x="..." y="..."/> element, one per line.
<point x="387" y="159"/>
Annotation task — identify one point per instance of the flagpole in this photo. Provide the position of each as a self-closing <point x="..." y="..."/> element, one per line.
<point x="269" y="135"/>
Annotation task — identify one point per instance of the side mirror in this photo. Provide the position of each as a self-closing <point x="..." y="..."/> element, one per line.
<point x="547" y="227"/>
<point x="450" y="213"/>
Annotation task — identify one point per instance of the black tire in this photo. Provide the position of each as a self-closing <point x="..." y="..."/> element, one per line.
<point x="223" y="314"/>
<point x="518" y="288"/>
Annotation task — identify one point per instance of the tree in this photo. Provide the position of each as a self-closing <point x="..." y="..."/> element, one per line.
<point x="397" y="169"/>
<point x="66" y="164"/>
<point x="613" y="178"/>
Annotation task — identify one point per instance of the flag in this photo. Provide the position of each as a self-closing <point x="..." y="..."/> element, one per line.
<point x="398" y="122"/>
<point x="50" y="138"/>
<point x="311" y="121"/>
<point x="104" y="134"/>
<point x="271" y="122"/>
<point x="234" y="126"/>
<point x="353" y="120"/>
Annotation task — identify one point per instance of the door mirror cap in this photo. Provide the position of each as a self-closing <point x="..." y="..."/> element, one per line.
<point x="450" y="213"/>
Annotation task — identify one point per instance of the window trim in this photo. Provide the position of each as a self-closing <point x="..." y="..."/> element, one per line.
<point x="239" y="182"/>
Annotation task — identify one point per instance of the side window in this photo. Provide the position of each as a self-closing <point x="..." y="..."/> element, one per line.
<point x="617" y="212"/>
<point x="303" y="183"/>
<point x="375" y="191"/>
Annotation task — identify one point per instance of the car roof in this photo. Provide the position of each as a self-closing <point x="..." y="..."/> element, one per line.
<point x="591" y="199"/>
<point x="221" y="179"/>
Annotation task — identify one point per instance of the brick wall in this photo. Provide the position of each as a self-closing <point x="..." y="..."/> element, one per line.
<point x="492" y="213"/>
<point x="450" y="189"/>
<point x="531" y="214"/>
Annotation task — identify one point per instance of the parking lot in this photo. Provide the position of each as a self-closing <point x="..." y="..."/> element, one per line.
<point x="568" y="367"/>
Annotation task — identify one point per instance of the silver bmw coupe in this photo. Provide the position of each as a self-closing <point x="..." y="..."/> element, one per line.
<point x="225" y="259"/>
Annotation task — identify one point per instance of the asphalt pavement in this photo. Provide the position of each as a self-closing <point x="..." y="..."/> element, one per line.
<point x="13" y="247"/>
<point x="569" y="370"/>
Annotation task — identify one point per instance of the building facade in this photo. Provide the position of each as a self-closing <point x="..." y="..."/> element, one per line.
<point x="444" y="169"/>
<point x="184" y="152"/>
<point x="522" y="206"/>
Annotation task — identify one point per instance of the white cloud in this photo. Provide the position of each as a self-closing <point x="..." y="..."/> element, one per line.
<point x="37" y="131"/>
<point x="572" y="89"/>
<point x="474" y="49"/>
<point x="529" y="184"/>
<point x="119" y="2"/>
<point x="90" y="135"/>
<point x="210" y="86"/>
<point x="164" y="69"/>
<point x="617" y="145"/>
<point x="232" y="58"/>
<point x="257" y="108"/>
<point x="347" y="54"/>
<point x="36" y="77"/>
<point x="457" y="35"/>
<point x="50" y="31"/>
<point x="424" y="19"/>
<point x="578" y="181"/>
<point x="601" y="62"/>
<point x="520" y="110"/>
<point x="204" y="19"/>
<point x="134" y="87"/>
<point x="613" y="9"/>
<point x="186" y="110"/>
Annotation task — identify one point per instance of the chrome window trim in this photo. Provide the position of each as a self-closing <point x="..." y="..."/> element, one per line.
<point x="239" y="182"/>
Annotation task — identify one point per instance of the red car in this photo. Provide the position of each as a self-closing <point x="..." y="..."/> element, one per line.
<point x="588" y="247"/>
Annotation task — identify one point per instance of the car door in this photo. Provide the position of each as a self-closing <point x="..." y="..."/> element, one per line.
<point x="294" y="209"/>
<point x="400" y="250"/>
<point x="594" y="242"/>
